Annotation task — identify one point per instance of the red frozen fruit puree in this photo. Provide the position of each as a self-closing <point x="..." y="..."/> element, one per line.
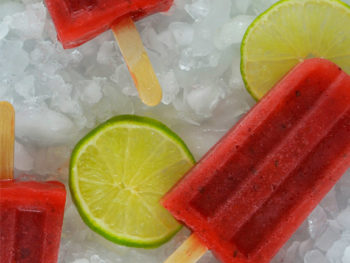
<point x="255" y="187"/>
<point x="31" y="216"/>
<point x="78" y="21"/>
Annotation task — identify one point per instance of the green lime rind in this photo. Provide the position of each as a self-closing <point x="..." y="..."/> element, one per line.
<point x="85" y="215"/>
<point x="262" y="18"/>
<point x="244" y="40"/>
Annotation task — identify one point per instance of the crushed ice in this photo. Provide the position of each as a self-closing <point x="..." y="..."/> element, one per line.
<point x="59" y="95"/>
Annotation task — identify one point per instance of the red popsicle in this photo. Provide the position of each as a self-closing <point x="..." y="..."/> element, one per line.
<point x="254" y="188"/>
<point x="78" y="21"/>
<point x="30" y="221"/>
<point x="31" y="213"/>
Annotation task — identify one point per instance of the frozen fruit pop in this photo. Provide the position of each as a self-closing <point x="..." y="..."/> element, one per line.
<point x="254" y="188"/>
<point x="78" y="21"/>
<point x="31" y="213"/>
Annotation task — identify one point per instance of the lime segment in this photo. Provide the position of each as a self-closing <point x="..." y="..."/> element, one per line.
<point x="287" y="33"/>
<point x="118" y="174"/>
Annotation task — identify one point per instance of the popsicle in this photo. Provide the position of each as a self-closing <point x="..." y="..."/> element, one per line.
<point x="78" y="21"/>
<point x="31" y="213"/>
<point x="253" y="189"/>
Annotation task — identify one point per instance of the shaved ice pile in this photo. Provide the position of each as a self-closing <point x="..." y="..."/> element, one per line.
<point x="59" y="95"/>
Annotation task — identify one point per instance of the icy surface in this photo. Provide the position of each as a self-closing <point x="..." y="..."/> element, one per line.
<point x="59" y="95"/>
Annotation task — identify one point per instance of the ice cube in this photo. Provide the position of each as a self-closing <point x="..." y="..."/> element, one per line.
<point x="305" y="246"/>
<point x="43" y="126"/>
<point x="29" y="23"/>
<point x="166" y="37"/>
<point x="170" y="86"/>
<point x="233" y="31"/>
<point x="346" y="257"/>
<point x="106" y="53"/>
<point x="203" y="99"/>
<point x="315" y="256"/>
<point x="317" y="222"/>
<point x="122" y="77"/>
<point x="8" y="8"/>
<point x="13" y="59"/>
<point x="182" y="32"/>
<point x="329" y="202"/>
<point x="23" y="160"/>
<point x="328" y="237"/>
<point x="92" y="92"/>
<point x="198" y="9"/>
<point x="336" y="251"/>
<point x="242" y="5"/>
<point x="344" y="218"/>
<point x="26" y="87"/>
<point x="292" y="253"/>
<point x="4" y="29"/>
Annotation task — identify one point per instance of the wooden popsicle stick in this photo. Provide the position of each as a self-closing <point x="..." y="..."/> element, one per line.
<point x="190" y="251"/>
<point x="7" y="140"/>
<point x="137" y="60"/>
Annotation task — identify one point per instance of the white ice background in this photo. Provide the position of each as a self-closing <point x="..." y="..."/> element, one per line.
<point x="59" y="95"/>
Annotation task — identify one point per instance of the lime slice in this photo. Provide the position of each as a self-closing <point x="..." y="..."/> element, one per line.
<point x="118" y="174"/>
<point x="287" y="33"/>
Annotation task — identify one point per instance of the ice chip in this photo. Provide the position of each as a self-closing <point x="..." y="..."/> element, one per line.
<point x="43" y="126"/>
<point x="328" y="237"/>
<point x="198" y="9"/>
<point x="291" y="253"/>
<point x="106" y="52"/>
<point x="4" y="29"/>
<point x="26" y="87"/>
<point x="8" y="8"/>
<point x="344" y="218"/>
<point x="203" y="99"/>
<point x="182" y="32"/>
<point x="92" y="93"/>
<point x="167" y="38"/>
<point x="233" y="31"/>
<point x="13" y="59"/>
<point x="346" y="257"/>
<point x="330" y="203"/>
<point x="30" y="23"/>
<point x="23" y="160"/>
<point x="335" y="253"/>
<point x="242" y="5"/>
<point x="305" y="246"/>
<point x="315" y="256"/>
<point x="170" y="87"/>
<point x="317" y="222"/>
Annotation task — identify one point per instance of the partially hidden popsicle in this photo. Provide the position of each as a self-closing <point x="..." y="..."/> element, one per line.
<point x="254" y="188"/>
<point x="31" y="213"/>
<point x="78" y="21"/>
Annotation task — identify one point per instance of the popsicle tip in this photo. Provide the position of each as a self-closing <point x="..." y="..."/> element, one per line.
<point x="152" y="100"/>
<point x="6" y="106"/>
<point x="137" y="61"/>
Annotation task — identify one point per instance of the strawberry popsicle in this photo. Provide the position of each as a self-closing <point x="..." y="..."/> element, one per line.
<point x="31" y="213"/>
<point x="254" y="188"/>
<point x="78" y="21"/>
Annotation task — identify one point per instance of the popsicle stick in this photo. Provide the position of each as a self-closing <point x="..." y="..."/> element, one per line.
<point x="189" y="252"/>
<point x="137" y="60"/>
<point x="7" y="139"/>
